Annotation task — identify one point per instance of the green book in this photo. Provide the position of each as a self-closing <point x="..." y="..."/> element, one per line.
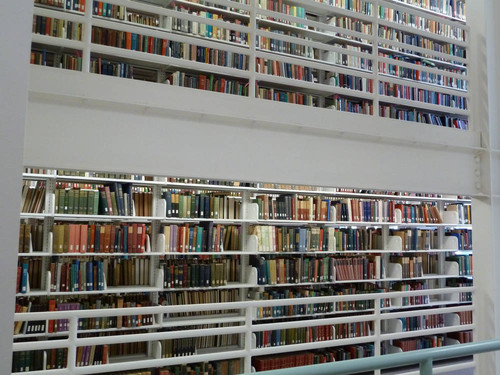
<point x="56" y="210"/>
<point x="95" y="210"/>
<point x="199" y="238"/>
<point x="76" y="201"/>
<point x="113" y="203"/>
<point x="192" y="201"/>
<point x="65" y="202"/>
<point x="181" y="206"/>
<point x="90" y="202"/>
<point x="71" y="201"/>
<point x="82" y="209"/>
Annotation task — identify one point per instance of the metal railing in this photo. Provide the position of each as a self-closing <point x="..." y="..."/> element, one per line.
<point x="424" y="358"/>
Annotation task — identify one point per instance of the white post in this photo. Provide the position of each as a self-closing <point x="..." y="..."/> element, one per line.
<point x="16" y="18"/>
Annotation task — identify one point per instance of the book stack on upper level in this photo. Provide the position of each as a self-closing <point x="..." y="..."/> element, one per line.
<point x="391" y="58"/>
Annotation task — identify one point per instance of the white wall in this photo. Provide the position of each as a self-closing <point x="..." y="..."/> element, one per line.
<point x="15" y="30"/>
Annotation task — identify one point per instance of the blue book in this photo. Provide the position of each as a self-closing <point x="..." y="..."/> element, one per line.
<point x="90" y="276"/>
<point x="125" y="239"/>
<point x="24" y="278"/>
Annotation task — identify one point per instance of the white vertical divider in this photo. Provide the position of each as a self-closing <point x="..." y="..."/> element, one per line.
<point x="245" y="338"/>
<point x="441" y="255"/>
<point x="87" y="37"/>
<point x="375" y="57"/>
<point x="378" y="328"/>
<point x="252" y="41"/>
<point x="248" y="341"/>
<point x="72" y="341"/>
<point x="16" y="18"/>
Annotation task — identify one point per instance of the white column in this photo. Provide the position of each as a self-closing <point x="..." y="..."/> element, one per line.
<point x="15" y="28"/>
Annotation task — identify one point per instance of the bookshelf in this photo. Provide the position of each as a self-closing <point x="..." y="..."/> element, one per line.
<point x="359" y="280"/>
<point x="383" y="58"/>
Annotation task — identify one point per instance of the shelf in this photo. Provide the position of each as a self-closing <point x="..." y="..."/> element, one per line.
<point x="314" y="315"/>
<point x="312" y="87"/>
<point x="359" y="252"/>
<point x="230" y="285"/>
<point x="58" y="42"/>
<point x="427" y="305"/>
<point x="72" y="217"/>
<point x="175" y="220"/>
<point x="424" y="11"/>
<point x="420" y="57"/>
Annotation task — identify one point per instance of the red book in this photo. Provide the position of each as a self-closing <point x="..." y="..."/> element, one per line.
<point x="150" y="44"/>
<point x="128" y="41"/>
<point x="99" y="8"/>
<point x="18" y="286"/>
<point x="108" y="199"/>
<point x="82" y="5"/>
<point x="164" y="47"/>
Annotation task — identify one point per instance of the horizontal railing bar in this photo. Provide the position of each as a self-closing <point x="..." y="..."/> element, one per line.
<point x="390" y="360"/>
<point x="231" y="305"/>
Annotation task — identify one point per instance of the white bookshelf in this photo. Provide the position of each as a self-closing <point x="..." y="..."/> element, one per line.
<point x="246" y="320"/>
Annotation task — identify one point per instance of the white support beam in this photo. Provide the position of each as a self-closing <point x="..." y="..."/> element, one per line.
<point x="15" y="28"/>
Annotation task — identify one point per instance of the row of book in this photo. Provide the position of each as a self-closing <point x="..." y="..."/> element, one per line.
<point x="30" y="237"/>
<point x="190" y="346"/>
<point x="316" y="270"/>
<point x="339" y="103"/>
<point x="279" y="95"/>
<point x="284" y="69"/>
<point x="418" y="343"/>
<point x="92" y="355"/>
<point x="77" y="275"/>
<point x="99" y="65"/>
<point x="291" y="336"/>
<point x="360" y="6"/>
<point x="100" y="238"/>
<point x="412" y="114"/>
<point x="304" y="239"/>
<point x="56" y="60"/>
<point x="30" y="326"/>
<point x="200" y="273"/>
<point x="164" y="47"/>
<point x="33" y="197"/>
<point x="208" y="83"/>
<point x="205" y="237"/>
<point x="411" y="266"/>
<point x="463" y="210"/>
<point x="287" y="360"/>
<point x="296" y="207"/>
<point x="350" y="23"/>
<point x="460" y="283"/>
<point x="415" y="74"/>
<point x="227" y="367"/>
<point x="409" y="286"/>
<point x="465" y="317"/>
<point x="101" y="8"/>
<point x="421" y="95"/>
<point x="57" y="28"/>
<point x="465" y="266"/>
<point x="82" y="302"/>
<point x="414" y="323"/>
<point x="204" y="29"/>
<point x="29" y="274"/>
<point x="113" y="199"/>
<point x="314" y="308"/>
<point x="127" y="272"/>
<point x="389" y="33"/>
<point x="209" y="206"/>
<point x="349" y="60"/>
<point x="421" y="23"/>
<point x="282" y="7"/>
<point x="452" y="8"/>
<point x="348" y="81"/>
<point x="76" y="5"/>
<point x="33" y="360"/>
<point x="283" y="46"/>
<point x="188" y="297"/>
